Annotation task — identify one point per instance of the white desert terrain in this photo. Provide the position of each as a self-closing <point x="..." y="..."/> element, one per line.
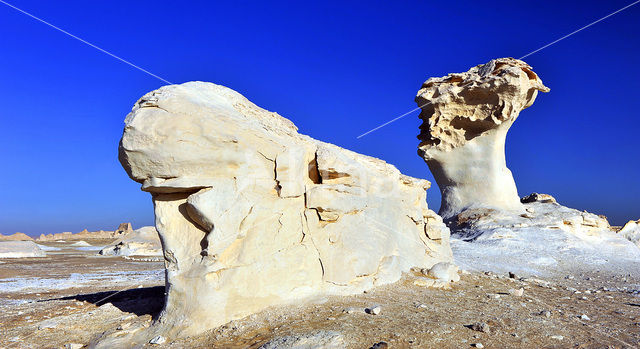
<point x="267" y="238"/>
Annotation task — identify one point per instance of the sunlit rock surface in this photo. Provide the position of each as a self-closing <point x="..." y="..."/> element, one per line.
<point x="139" y="242"/>
<point x="466" y="117"/>
<point x="122" y="229"/>
<point x="16" y="237"/>
<point x="631" y="232"/>
<point x="20" y="249"/>
<point x="251" y="213"/>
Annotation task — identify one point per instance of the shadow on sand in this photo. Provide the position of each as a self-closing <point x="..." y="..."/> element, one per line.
<point x="140" y="301"/>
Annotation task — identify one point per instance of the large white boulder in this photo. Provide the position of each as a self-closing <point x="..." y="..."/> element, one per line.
<point x="548" y="239"/>
<point x="20" y="249"/>
<point x="140" y="242"/>
<point x="252" y="214"/>
<point x="631" y="232"/>
<point x="466" y="117"/>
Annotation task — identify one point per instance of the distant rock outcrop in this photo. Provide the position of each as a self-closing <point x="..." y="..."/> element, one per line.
<point x="16" y="237"/>
<point x="20" y="249"/>
<point x="140" y="242"/>
<point x="466" y="117"/>
<point x="252" y="214"/>
<point x="122" y="229"/>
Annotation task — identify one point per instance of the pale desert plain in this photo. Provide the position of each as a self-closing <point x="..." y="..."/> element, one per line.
<point x="268" y="238"/>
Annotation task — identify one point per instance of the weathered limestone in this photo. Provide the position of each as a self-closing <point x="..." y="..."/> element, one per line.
<point x="466" y="117"/>
<point x="16" y="237"/>
<point x="20" y="249"/>
<point x="631" y="232"/>
<point x="122" y="229"/>
<point x="139" y="242"/>
<point x="465" y="121"/>
<point x="252" y="214"/>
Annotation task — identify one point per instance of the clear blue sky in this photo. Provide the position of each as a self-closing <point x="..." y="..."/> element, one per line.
<point x="336" y="69"/>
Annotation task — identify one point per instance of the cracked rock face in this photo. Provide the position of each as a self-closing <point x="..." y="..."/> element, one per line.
<point x="466" y="117"/>
<point x="252" y="214"/>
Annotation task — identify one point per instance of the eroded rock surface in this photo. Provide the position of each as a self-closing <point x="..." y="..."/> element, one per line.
<point x="20" y="249"/>
<point x="251" y="213"/>
<point x="547" y="239"/>
<point x="139" y="242"/>
<point x="16" y="237"/>
<point x="122" y="229"/>
<point x="466" y="117"/>
<point x="631" y="232"/>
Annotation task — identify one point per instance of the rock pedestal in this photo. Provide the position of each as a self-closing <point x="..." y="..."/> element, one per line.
<point x="466" y="117"/>
<point x="252" y="214"/>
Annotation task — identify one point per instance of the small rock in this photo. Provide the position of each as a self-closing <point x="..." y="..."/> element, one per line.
<point x="584" y="317"/>
<point x="512" y="275"/>
<point x="480" y="327"/>
<point x="545" y="313"/>
<point x="73" y="346"/>
<point x="123" y="326"/>
<point x="374" y="310"/>
<point x="424" y="282"/>
<point x="478" y="345"/>
<point x="380" y="345"/>
<point x="47" y="324"/>
<point x="558" y="337"/>
<point x="158" y="340"/>
<point x="518" y="293"/>
<point x="352" y="310"/>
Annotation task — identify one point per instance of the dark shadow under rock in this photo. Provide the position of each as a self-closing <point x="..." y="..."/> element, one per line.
<point x="140" y="301"/>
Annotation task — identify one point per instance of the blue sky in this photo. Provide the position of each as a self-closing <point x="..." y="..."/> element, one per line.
<point x="336" y="69"/>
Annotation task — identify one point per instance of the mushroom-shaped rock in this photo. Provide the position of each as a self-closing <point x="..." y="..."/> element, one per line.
<point x="466" y="117"/>
<point x="252" y="214"/>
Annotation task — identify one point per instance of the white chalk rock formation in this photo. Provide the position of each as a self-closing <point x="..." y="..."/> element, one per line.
<point x="547" y="239"/>
<point x="631" y="232"/>
<point x="139" y="242"/>
<point x="444" y="271"/>
<point x="20" y="249"/>
<point x="466" y="117"/>
<point x="252" y="214"/>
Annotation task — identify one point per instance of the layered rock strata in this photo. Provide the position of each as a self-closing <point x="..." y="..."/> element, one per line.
<point x="466" y="117"/>
<point x="252" y="214"/>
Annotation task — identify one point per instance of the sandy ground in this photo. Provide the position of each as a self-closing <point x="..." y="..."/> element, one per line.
<point x="84" y="296"/>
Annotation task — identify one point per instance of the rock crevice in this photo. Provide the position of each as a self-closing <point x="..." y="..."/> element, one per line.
<point x="252" y="214"/>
